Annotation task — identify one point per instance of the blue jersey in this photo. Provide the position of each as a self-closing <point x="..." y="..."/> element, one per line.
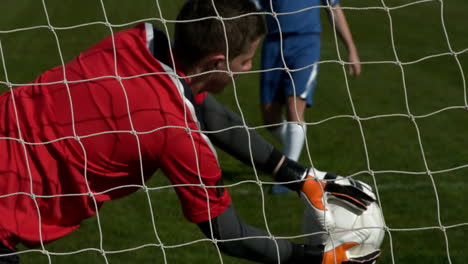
<point x="305" y="21"/>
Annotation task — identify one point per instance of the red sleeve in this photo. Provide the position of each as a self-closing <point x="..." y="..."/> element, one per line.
<point x="200" y="97"/>
<point x="190" y="163"/>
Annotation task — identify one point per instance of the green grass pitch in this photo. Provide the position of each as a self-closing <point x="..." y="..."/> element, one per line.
<point x="419" y="165"/>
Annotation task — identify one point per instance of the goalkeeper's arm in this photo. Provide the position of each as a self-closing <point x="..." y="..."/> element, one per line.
<point x="244" y="241"/>
<point x="234" y="138"/>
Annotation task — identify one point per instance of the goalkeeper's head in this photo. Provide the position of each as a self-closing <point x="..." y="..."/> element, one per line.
<point x="211" y="33"/>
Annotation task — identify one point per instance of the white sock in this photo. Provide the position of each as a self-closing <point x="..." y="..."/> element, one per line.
<point x="293" y="140"/>
<point x="279" y="132"/>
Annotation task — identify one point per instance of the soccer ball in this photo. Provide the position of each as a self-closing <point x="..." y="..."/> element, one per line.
<point x="350" y="225"/>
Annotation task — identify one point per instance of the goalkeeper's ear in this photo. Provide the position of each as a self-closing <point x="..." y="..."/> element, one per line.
<point x="212" y="62"/>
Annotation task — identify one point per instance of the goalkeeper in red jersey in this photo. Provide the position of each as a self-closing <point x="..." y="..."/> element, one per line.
<point x="91" y="131"/>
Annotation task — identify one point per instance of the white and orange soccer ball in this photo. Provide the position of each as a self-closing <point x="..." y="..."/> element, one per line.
<point x="366" y="228"/>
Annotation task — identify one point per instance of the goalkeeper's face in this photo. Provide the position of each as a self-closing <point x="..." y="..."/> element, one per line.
<point x="239" y="64"/>
<point x="243" y="62"/>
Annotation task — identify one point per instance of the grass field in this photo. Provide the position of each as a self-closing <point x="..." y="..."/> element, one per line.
<point x="415" y="64"/>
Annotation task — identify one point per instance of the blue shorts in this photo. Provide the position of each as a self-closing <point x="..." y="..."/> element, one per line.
<point x="300" y="52"/>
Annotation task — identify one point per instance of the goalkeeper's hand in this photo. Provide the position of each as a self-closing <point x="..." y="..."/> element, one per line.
<point x="314" y="184"/>
<point x="319" y="186"/>
<point x="339" y="248"/>
<point x="344" y="247"/>
<point x="340" y="255"/>
<point x="353" y="192"/>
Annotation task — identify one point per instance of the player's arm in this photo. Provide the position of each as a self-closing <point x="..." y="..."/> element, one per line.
<point x="232" y="138"/>
<point x="235" y="238"/>
<point x="338" y="19"/>
<point x="226" y="130"/>
<point x="230" y="135"/>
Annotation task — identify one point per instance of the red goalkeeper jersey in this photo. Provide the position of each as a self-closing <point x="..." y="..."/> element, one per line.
<point x="96" y="129"/>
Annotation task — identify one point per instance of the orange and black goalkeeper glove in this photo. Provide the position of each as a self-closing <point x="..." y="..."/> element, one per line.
<point x="316" y="187"/>
<point x="339" y="255"/>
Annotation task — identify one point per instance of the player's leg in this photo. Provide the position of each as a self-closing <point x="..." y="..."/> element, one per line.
<point x="244" y="241"/>
<point x="274" y="83"/>
<point x="272" y="115"/>
<point x="10" y="259"/>
<point x="270" y="88"/>
<point x="303" y="52"/>
<point x="272" y="94"/>
<point x="292" y="133"/>
<point x="295" y="131"/>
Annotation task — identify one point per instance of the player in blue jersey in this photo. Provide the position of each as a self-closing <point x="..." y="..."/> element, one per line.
<point x="297" y="30"/>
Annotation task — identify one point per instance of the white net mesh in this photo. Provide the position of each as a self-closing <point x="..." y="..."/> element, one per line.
<point x="400" y="127"/>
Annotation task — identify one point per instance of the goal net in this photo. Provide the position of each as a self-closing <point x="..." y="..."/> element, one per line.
<point x="400" y="127"/>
